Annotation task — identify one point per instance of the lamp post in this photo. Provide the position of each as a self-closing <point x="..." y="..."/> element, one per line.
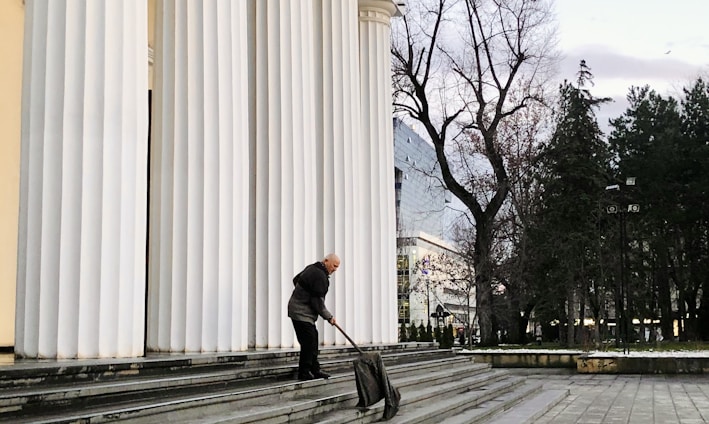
<point x="622" y="209"/>
<point x="428" y="299"/>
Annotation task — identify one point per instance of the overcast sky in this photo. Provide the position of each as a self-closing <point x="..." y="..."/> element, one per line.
<point x="662" y="43"/>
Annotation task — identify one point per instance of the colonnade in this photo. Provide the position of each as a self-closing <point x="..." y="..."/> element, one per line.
<point x="270" y="145"/>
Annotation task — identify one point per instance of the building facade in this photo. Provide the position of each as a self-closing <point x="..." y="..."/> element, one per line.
<point x="426" y="215"/>
<point x="182" y="160"/>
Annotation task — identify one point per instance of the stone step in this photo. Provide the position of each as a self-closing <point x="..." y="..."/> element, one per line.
<point x="49" y="395"/>
<point x="309" y="401"/>
<point x="530" y="409"/>
<point x="452" y="406"/>
<point x="106" y="400"/>
<point x="481" y="412"/>
<point x="419" y="397"/>
<point x="27" y="373"/>
<point x="303" y="400"/>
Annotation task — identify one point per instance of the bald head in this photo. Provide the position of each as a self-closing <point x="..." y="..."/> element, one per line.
<point x="331" y="262"/>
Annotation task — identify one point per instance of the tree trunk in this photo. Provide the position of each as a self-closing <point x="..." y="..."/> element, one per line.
<point x="664" y="298"/>
<point x="570" y="317"/>
<point x="682" y="311"/>
<point x="581" y="333"/>
<point x="483" y="279"/>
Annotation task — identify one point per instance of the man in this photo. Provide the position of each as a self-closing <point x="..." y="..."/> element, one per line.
<point x="304" y="306"/>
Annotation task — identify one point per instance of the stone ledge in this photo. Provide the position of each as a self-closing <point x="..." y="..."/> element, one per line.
<point x="597" y="362"/>
<point x="526" y="360"/>
<point x="642" y="365"/>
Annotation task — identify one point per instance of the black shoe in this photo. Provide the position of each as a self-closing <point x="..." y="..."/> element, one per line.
<point x="305" y="376"/>
<point x="320" y="374"/>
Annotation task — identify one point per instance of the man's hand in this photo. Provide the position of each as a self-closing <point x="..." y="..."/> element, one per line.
<point x="332" y="321"/>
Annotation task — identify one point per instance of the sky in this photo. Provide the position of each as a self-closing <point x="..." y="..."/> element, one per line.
<point x="661" y="43"/>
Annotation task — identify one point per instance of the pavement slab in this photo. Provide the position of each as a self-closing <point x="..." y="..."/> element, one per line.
<point x="627" y="399"/>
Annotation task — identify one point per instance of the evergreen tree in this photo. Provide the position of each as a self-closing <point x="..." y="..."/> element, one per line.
<point x="643" y="143"/>
<point x="695" y="129"/>
<point x="413" y="333"/>
<point x="664" y="145"/>
<point x="402" y="333"/>
<point x="437" y="334"/>
<point x="451" y="336"/>
<point x="447" y="338"/>
<point x="573" y="173"/>
<point x="423" y="335"/>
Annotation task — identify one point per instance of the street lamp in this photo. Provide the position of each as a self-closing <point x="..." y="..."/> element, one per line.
<point x="623" y="209"/>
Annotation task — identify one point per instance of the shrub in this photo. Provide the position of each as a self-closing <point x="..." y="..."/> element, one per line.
<point x="413" y="333"/>
<point x="402" y="333"/>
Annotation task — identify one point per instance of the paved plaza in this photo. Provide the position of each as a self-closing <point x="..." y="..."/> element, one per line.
<point x="636" y="399"/>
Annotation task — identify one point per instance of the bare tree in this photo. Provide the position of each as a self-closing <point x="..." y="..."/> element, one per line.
<point x="456" y="65"/>
<point x="450" y="279"/>
<point x="514" y="253"/>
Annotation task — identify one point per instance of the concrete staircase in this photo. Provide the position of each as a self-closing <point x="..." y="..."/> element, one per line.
<point x="259" y="387"/>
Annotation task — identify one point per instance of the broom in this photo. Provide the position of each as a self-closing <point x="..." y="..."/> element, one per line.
<point x="372" y="380"/>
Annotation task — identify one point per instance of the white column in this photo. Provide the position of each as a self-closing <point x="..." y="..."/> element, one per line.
<point x="338" y="113"/>
<point x="198" y="288"/>
<point x="81" y="255"/>
<point x="376" y="170"/>
<point x="285" y="163"/>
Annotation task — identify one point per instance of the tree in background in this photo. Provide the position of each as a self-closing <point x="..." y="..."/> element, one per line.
<point x="456" y="65"/>
<point x="664" y="145"/>
<point x="403" y="337"/>
<point x="695" y="128"/>
<point x="514" y="295"/>
<point x="413" y="333"/>
<point x="574" y="169"/>
<point x="429" y="333"/>
<point x="453" y="275"/>
<point x="447" y="339"/>
<point x="643" y="141"/>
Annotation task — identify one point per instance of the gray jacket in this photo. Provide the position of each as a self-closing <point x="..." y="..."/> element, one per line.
<point x="308" y="298"/>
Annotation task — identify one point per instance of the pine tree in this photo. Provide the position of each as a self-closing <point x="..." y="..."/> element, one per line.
<point x="664" y="145"/>
<point x="573" y="173"/>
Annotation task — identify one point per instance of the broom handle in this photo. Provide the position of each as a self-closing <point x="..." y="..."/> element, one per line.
<point x="348" y="337"/>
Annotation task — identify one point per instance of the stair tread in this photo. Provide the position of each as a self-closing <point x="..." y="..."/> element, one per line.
<point x="531" y="408"/>
<point x="258" y="387"/>
<point x="481" y="411"/>
<point x="73" y="388"/>
<point x="410" y="408"/>
<point x="267" y="410"/>
<point x="286" y="407"/>
<point x="448" y="406"/>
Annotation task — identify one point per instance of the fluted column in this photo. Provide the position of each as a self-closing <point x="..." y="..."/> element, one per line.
<point x="199" y="293"/>
<point x="338" y="141"/>
<point x="377" y="171"/>
<point x="285" y="164"/>
<point x="82" y="230"/>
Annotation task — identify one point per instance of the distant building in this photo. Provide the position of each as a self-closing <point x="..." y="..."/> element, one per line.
<point x="424" y="223"/>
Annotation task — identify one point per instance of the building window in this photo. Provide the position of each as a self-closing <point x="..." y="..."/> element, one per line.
<point x="403" y="283"/>
<point x="404" y="311"/>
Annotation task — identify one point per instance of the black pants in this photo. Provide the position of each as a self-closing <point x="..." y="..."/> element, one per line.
<point x="307" y="335"/>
